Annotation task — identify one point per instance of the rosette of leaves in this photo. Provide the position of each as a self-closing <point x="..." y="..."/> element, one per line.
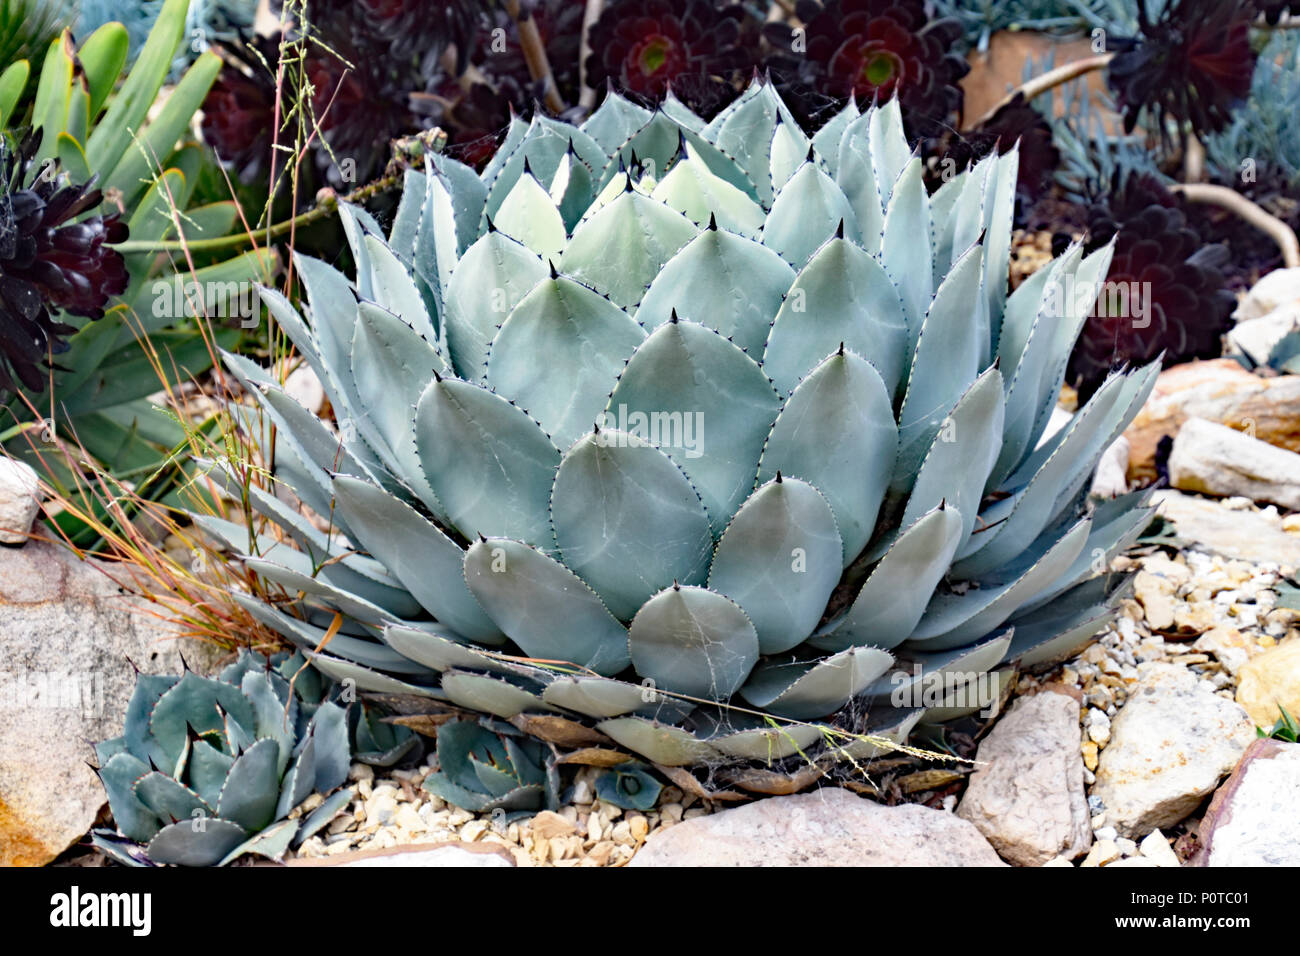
<point x="870" y="50"/>
<point x="1015" y="123"/>
<point x="489" y="766"/>
<point x="1189" y="65"/>
<point x="53" y="258"/>
<point x="980" y="19"/>
<point x="97" y="124"/>
<point x="844" y="482"/>
<point x="1160" y="256"/>
<point x="699" y="49"/>
<point x="209" y="769"/>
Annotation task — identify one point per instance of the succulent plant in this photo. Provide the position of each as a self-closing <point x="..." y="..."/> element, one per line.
<point x="1159" y="254"/>
<point x="870" y="50"/>
<point x="55" y="255"/>
<point x="209" y="769"/>
<point x="1190" y="63"/>
<point x="486" y="768"/>
<point x="714" y="435"/>
<point x="698" y="48"/>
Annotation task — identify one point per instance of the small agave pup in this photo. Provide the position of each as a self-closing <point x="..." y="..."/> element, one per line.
<point x="208" y="769"/>
<point x="870" y="492"/>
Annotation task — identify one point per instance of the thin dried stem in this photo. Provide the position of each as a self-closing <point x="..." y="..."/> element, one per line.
<point x="1050" y="80"/>
<point x="1252" y="213"/>
<point x="539" y="66"/>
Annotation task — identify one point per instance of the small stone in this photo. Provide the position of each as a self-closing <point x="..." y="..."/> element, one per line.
<point x="1102" y="852"/>
<point x="547" y="825"/>
<point x="1126" y="846"/>
<point x="638" y="826"/>
<point x="1090" y="754"/>
<point x="1252" y="820"/>
<point x="1059" y="861"/>
<point x="1156" y="848"/>
<point x="361" y="771"/>
<point x="1105" y="833"/>
<point x="20" y="500"/>
<point x="1269" y="680"/>
<point x="474" y="829"/>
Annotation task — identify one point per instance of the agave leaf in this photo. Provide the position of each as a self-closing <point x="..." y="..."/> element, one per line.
<point x="959" y="214"/>
<point x="493" y="275"/>
<point x="572" y="189"/>
<point x="323" y="815"/>
<point x="686" y="378"/>
<point x="274" y="721"/>
<point x="890" y="153"/>
<point x="119" y="776"/>
<point x="491" y="695"/>
<point x="944" y="366"/>
<point x="468" y="198"/>
<point x="907" y="215"/>
<point x="953" y="619"/>
<point x="802" y="690"/>
<point x="620" y="249"/>
<point x="693" y="641"/>
<point x="300" y="781"/>
<point x="999" y="212"/>
<point x="779" y="559"/>
<point x="724" y="281"/>
<point x="855" y="174"/>
<point x="195" y="703"/>
<point x="628" y="521"/>
<point x="768" y="743"/>
<point x="664" y="745"/>
<point x="921" y="667"/>
<point x="837" y="433"/>
<point x="962" y="455"/>
<point x="1063" y="627"/>
<point x="585" y="340"/>
<point x="394" y="290"/>
<point x="169" y="799"/>
<point x="329" y="732"/>
<point x="195" y="843"/>
<point x="841" y="295"/>
<point x="1082" y="441"/>
<point x="895" y="594"/>
<point x="272" y="843"/>
<point x="788" y="149"/>
<point x="615" y="121"/>
<point x="1025" y="351"/>
<point x="252" y="786"/>
<point x="544" y="607"/>
<point x="597" y="696"/>
<point x="427" y="562"/>
<point x="488" y="462"/>
<point x="542" y="148"/>
<point x="529" y="215"/>
<point x="809" y="210"/>
<point x="333" y="313"/>
<point x="826" y="141"/>
<point x="745" y="131"/>
<point x="694" y="190"/>
<point x="206" y="769"/>
<point x="443" y="650"/>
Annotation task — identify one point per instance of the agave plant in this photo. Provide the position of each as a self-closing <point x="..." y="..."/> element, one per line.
<point x="209" y="769"/>
<point x="487" y="768"/>
<point x="714" y="435"/>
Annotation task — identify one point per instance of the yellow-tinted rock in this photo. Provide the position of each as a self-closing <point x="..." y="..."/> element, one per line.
<point x="1270" y="679"/>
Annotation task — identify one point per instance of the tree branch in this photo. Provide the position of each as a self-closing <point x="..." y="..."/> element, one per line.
<point x="1050" y="80"/>
<point x="587" y="98"/>
<point x="539" y="67"/>
<point x="1235" y="202"/>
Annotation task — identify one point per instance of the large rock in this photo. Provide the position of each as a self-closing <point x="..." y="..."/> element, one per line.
<point x="829" y="827"/>
<point x="1252" y="820"/>
<point x="1246" y="535"/>
<point x="1169" y="747"/>
<point x="1269" y="680"/>
<point x="1278" y="290"/>
<point x="1026" y="796"/>
<point x="20" y="500"/>
<point x="68" y="638"/>
<point x="1218" y="391"/>
<point x="1217" y="460"/>
<point x="435" y="855"/>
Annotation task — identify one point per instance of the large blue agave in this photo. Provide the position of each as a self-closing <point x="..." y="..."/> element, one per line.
<point x="853" y="497"/>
